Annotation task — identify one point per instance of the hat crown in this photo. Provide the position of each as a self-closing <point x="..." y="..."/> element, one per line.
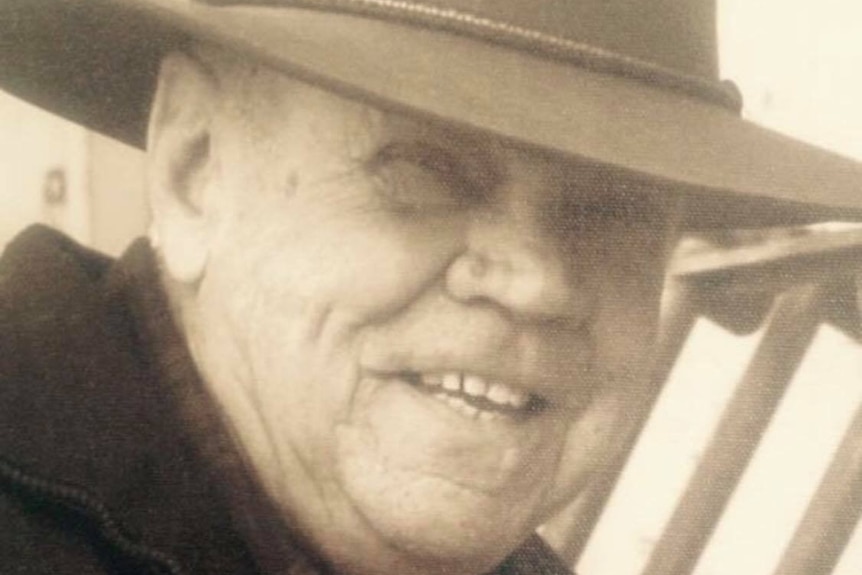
<point x="678" y="35"/>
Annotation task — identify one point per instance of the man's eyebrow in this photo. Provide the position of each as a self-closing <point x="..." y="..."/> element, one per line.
<point x="472" y="153"/>
<point x="585" y="187"/>
<point x="585" y="176"/>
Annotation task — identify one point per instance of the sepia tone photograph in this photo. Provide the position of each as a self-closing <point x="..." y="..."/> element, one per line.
<point x="430" y="287"/>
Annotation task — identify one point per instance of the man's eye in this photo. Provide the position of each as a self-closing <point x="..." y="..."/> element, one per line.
<point x="597" y="198"/>
<point x="580" y="216"/>
<point x="415" y="177"/>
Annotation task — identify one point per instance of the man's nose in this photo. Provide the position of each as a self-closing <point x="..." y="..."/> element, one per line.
<point x="508" y="261"/>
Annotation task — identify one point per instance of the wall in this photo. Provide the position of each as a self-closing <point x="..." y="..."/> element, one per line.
<point x="118" y="206"/>
<point x="32" y="145"/>
<point x="103" y="202"/>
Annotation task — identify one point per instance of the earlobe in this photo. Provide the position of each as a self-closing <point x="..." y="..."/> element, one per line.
<point x="180" y="165"/>
<point x="185" y="254"/>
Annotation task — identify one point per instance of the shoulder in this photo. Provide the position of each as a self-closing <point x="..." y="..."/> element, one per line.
<point x="65" y="338"/>
<point x="35" y="259"/>
<point x="48" y="285"/>
<point x="91" y="432"/>
<point x="52" y="339"/>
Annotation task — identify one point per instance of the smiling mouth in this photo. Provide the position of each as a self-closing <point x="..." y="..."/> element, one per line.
<point x="475" y="397"/>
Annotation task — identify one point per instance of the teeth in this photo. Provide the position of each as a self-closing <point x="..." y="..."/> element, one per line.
<point x="469" y="409"/>
<point x="452" y="381"/>
<point x="502" y="394"/>
<point x="498" y="394"/>
<point x="460" y="405"/>
<point x="432" y="380"/>
<point x="518" y="400"/>
<point x="476" y="386"/>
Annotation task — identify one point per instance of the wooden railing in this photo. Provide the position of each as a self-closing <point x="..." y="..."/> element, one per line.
<point x="787" y="286"/>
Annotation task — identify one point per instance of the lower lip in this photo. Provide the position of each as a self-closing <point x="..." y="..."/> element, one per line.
<point x="416" y="430"/>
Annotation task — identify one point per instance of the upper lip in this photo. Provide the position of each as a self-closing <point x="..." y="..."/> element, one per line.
<point x="554" y="366"/>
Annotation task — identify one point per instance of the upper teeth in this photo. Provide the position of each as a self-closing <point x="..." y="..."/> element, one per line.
<point x="476" y="386"/>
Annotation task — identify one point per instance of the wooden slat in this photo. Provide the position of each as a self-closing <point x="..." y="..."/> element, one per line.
<point x="773" y="251"/>
<point x="836" y="507"/>
<point x="832" y="514"/>
<point x="773" y="266"/>
<point x="791" y="327"/>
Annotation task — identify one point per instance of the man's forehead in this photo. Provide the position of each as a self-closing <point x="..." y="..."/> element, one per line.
<point x="361" y="128"/>
<point x="246" y="79"/>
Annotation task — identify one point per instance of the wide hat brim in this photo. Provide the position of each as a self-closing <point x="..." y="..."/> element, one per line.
<point x="96" y="62"/>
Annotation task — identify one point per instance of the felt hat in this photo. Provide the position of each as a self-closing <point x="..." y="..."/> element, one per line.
<point x="627" y="83"/>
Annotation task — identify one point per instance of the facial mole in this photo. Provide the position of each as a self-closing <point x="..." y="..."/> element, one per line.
<point x="291" y="184"/>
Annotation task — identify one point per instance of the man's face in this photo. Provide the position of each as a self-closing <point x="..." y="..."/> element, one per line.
<point x="426" y="339"/>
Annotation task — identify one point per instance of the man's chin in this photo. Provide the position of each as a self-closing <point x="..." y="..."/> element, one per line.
<point x="399" y="431"/>
<point x="441" y="526"/>
<point x="440" y="488"/>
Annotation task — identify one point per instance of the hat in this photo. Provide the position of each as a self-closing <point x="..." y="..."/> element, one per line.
<point x="627" y="83"/>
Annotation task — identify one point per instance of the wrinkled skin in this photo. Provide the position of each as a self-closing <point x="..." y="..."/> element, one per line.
<point x="329" y="254"/>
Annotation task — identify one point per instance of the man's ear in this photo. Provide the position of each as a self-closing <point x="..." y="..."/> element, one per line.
<point x="180" y="165"/>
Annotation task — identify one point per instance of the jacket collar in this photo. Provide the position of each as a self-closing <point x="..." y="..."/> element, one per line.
<point x="93" y="367"/>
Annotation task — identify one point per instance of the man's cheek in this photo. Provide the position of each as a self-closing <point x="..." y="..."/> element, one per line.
<point x="591" y="442"/>
<point x="385" y="280"/>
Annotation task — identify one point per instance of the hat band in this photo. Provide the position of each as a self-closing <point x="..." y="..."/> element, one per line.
<point x="724" y="94"/>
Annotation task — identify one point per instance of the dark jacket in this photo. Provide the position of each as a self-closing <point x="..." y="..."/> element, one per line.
<point x="112" y="457"/>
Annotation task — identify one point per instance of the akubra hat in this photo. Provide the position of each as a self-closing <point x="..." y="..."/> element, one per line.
<point x="627" y="83"/>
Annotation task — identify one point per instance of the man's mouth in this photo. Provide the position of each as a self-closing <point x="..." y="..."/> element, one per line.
<point x="476" y="397"/>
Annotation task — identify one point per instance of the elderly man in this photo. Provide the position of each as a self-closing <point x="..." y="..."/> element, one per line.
<point x="403" y="275"/>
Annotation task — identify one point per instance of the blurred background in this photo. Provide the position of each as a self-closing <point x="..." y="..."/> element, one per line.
<point x="799" y="66"/>
<point x="55" y="172"/>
